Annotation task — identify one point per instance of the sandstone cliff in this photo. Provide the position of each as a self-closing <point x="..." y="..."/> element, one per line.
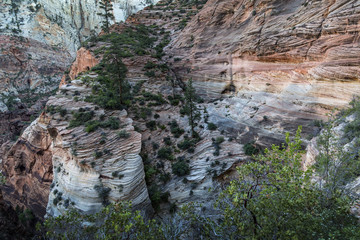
<point x="294" y="60"/>
<point x="63" y="24"/>
<point x="54" y="165"/>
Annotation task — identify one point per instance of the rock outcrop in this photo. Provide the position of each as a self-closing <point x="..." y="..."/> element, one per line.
<point x="28" y="168"/>
<point x="63" y="24"/>
<point x="60" y="167"/>
<point x="84" y="62"/>
<point x="295" y="59"/>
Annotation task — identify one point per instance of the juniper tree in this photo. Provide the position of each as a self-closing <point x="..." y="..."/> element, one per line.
<point x="106" y="14"/>
<point x="190" y="107"/>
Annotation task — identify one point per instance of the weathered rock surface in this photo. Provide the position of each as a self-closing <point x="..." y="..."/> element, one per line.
<point x="50" y="152"/>
<point x="84" y="61"/>
<point x="27" y="64"/>
<point x="28" y="168"/>
<point x="61" y="23"/>
<point x="295" y="58"/>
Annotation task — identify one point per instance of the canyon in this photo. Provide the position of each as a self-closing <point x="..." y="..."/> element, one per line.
<point x="262" y="68"/>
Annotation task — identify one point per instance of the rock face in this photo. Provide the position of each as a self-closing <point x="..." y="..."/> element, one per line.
<point x="26" y="64"/>
<point x="28" y="168"/>
<point x="84" y="61"/>
<point x="295" y="58"/>
<point x="60" y="23"/>
<point x="59" y="167"/>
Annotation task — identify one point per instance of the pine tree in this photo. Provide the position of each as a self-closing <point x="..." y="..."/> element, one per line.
<point x="117" y="71"/>
<point x="106" y="13"/>
<point x="190" y="107"/>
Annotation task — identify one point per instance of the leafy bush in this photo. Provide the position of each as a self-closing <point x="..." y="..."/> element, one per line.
<point x="211" y="126"/>
<point x="175" y="129"/>
<point x="165" y="153"/>
<point x="123" y="134"/>
<point x="151" y="125"/>
<point x="187" y="144"/>
<point x="103" y="193"/>
<point x="81" y="117"/>
<point x="251" y="149"/>
<point x="181" y="168"/>
<point x="167" y="141"/>
<point x="157" y="197"/>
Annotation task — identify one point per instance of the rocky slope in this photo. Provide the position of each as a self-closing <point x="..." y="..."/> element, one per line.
<point x="292" y="60"/>
<point x="63" y="24"/>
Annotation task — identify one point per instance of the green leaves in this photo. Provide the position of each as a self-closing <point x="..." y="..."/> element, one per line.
<point x="190" y="107"/>
<point x="273" y="198"/>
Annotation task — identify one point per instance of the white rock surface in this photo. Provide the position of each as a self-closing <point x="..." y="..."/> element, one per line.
<point x="60" y="23"/>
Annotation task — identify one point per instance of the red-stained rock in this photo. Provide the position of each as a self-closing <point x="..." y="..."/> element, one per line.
<point x="84" y="62"/>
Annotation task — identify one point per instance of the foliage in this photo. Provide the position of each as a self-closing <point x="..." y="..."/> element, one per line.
<point x="107" y="15"/>
<point x="165" y="153"/>
<point x="81" y="117"/>
<point x="251" y="149"/>
<point x="181" y="168"/>
<point x="175" y="129"/>
<point x="188" y="144"/>
<point x="211" y="126"/>
<point x="335" y="164"/>
<point x="190" y="107"/>
<point x="157" y="196"/>
<point x="112" y="123"/>
<point x="275" y="199"/>
<point x="103" y="193"/>
<point x="123" y="134"/>
<point x="151" y="125"/>
<point x="113" y="222"/>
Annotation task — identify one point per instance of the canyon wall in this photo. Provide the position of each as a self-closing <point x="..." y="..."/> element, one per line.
<point x="294" y="59"/>
<point x="62" y="24"/>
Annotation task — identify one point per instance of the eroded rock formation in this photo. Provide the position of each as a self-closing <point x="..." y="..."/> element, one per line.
<point x="61" y="23"/>
<point x="84" y="61"/>
<point x="294" y="59"/>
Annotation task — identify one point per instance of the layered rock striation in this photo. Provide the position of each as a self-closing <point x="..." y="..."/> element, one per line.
<point x="60" y="167"/>
<point x="63" y="24"/>
<point x="294" y="59"/>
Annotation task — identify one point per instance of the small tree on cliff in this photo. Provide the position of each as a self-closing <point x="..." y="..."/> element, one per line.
<point x="106" y="14"/>
<point x="117" y="70"/>
<point x="190" y="107"/>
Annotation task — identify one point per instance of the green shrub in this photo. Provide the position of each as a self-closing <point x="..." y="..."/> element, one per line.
<point x="98" y="154"/>
<point x="211" y="126"/>
<point x="167" y="141"/>
<point x="157" y="197"/>
<point x="165" y="153"/>
<point x="251" y="149"/>
<point x="103" y="193"/>
<point x="81" y="117"/>
<point x="123" y="134"/>
<point x="165" y="177"/>
<point x="175" y="129"/>
<point x="181" y="168"/>
<point x="187" y="144"/>
<point x="151" y="125"/>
